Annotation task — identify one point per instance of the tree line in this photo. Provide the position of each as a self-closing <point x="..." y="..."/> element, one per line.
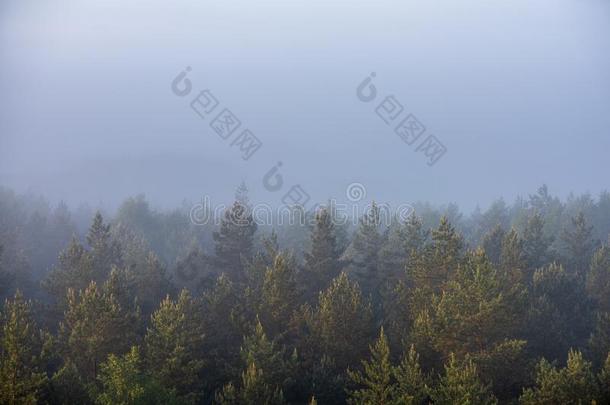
<point x="509" y="305"/>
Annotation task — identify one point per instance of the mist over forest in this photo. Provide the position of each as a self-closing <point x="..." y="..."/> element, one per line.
<point x="306" y="202"/>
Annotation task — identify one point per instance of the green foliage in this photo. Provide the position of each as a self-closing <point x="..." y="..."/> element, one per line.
<point x="105" y="251"/>
<point x="342" y="322"/>
<point x="598" y="278"/>
<point x="492" y="244"/>
<point x="535" y="242"/>
<point x="22" y="376"/>
<point x="431" y="269"/>
<point x="267" y="326"/>
<point x="376" y="385"/>
<point x="512" y="259"/>
<point x="225" y="325"/>
<point x="559" y="312"/>
<point x="367" y="243"/>
<point x="322" y="261"/>
<point x="234" y="241"/>
<point x="579" y="244"/>
<point x="475" y="311"/>
<point x="74" y="270"/>
<point x="173" y="345"/>
<point x="574" y="384"/>
<point x="123" y="383"/>
<point x="88" y="333"/>
<point x="461" y="385"/>
<point x="252" y="390"/>
<point x="279" y="295"/>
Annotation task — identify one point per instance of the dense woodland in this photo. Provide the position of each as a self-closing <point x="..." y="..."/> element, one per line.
<point x="510" y="304"/>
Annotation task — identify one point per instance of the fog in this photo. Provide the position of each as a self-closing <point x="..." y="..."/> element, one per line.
<point x="517" y="92"/>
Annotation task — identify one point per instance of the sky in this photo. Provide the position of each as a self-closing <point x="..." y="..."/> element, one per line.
<point x="518" y="93"/>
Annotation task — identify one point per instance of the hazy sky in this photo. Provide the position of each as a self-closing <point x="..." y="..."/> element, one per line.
<point x="518" y="92"/>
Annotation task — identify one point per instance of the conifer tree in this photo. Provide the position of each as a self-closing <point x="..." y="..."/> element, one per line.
<point x="573" y="384"/>
<point x="415" y="234"/>
<point x="367" y="243"/>
<point x="123" y="382"/>
<point x="535" y="243"/>
<point x="512" y="258"/>
<point x="89" y="331"/>
<point x="67" y="386"/>
<point x="22" y="365"/>
<point x="151" y="283"/>
<point x="598" y="278"/>
<point x="241" y="195"/>
<point x="74" y="270"/>
<point x="322" y="261"/>
<point x="277" y="369"/>
<point x="174" y="345"/>
<point x="342" y="322"/>
<point x="579" y="243"/>
<point x="375" y="384"/>
<point x="411" y="383"/>
<point x="475" y="312"/>
<point x="225" y="325"/>
<point x="439" y="260"/>
<point x="461" y="385"/>
<point x="6" y="279"/>
<point x="252" y="390"/>
<point x="560" y="312"/>
<point x="234" y="241"/>
<point x="105" y="251"/>
<point x="279" y="295"/>
<point x="604" y="382"/>
<point x="492" y="244"/>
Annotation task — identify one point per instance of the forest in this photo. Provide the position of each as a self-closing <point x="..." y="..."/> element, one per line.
<point x="505" y="305"/>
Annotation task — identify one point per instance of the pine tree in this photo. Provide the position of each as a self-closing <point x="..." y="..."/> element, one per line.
<point x="560" y="313"/>
<point x="492" y="244"/>
<point x="252" y="390"/>
<point x="439" y="260"/>
<point x="88" y="332"/>
<point x="415" y="234"/>
<point x="322" y="261"/>
<point x="535" y="243"/>
<point x="598" y="278"/>
<point x="579" y="244"/>
<point x="6" y="279"/>
<point x="105" y="251"/>
<point x="512" y="258"/>
<point x="241" y="195"/>
<point x="173" y="345"/>
<point x="604" y="382"/>
<point x="74" y="270"/>
<point x="279" y="295"/>
<point x="269" y="358"/>
<point x="367" y="243"/>
<point x="475" y="312"/>
<point x="67" y="386"/>
<point x="461" y="385"/>
<point x="411" y="383"/>
<point x="574" y="384"/>
<point x="151" y="283"/>
<point x="598" y="345"/>
<point x="123" y="382"/>
<point x="375" y="385"/>
<point x="225" y="325"/>
<point x="234" y="241"/>
<point x="22" y="366"/>
<point x="342" y="322"/>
